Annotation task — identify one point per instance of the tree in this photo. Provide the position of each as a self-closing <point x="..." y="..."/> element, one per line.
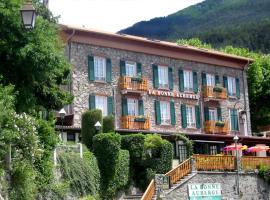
<point x="33" y="61"/>
<point x="258" y="77"/>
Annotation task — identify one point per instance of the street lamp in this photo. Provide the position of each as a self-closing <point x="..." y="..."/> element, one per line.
<point x="62" y="114"/>
<point x="97" y="125"/>
<point x="28" y="14"/>
<point x="235" y="139"/>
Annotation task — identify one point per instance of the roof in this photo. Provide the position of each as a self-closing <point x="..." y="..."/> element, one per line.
<point x="152" y="46"/>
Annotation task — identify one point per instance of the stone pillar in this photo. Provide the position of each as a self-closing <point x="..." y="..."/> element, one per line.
<point x="193" y="165"/>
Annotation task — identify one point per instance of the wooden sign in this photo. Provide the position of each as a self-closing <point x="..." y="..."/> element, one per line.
<point x="173" y="94"/>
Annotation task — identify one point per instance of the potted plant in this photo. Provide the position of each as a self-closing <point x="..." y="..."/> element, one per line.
<point x="140" y="119"/>
<point x="218" y="88"/>
<point x="220" y="123"/>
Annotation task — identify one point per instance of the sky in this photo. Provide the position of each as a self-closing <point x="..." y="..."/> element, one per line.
<point x="113" y="15"/>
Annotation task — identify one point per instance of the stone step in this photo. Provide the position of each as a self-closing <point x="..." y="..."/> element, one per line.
<point x="133" y="197"/>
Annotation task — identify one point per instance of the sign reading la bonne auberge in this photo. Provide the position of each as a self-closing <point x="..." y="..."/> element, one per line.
<point x="173" y="94"/>
<point x="204" y="191"/>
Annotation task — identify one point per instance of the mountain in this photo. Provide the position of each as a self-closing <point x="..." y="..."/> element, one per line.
<point x="242" y="23"/>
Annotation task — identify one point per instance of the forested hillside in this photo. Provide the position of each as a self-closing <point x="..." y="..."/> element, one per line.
<point x="242" y="23"/>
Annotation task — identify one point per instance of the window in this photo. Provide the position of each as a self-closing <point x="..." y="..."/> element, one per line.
<point x="100" y="68"/>
<point x="163" y="77"/>
<point x="191" y="123"/>
<point x="210" y="80"/>
<point x="213" y="114"/>
<point x="101" y="103"/>
<point x="132" y="106"/>
<point x="182" y="152"/>
<point x="188" y="81"/>
<point x="71" y="137"/>
<point x="231" y="86"/>
<point x="213" y="149"/>
<point x="131" y="69"/>
<point x="165" y="112"/>
<point x="234" y="120"/>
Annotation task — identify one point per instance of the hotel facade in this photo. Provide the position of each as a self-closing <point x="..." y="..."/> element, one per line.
<point x="154" y="86"/>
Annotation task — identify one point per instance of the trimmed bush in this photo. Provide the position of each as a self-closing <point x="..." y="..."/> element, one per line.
<point x="89" y="119"/>
<point x="108" y="124"/>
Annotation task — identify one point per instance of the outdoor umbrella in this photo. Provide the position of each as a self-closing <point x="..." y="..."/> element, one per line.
<point x="257" y="148"/>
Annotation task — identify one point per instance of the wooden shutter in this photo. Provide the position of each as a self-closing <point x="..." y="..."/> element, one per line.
<point x="139" y="70"/>
<point x="225" y="83"/>
<point x="110" y="105"/>
<point x="172" y="111"/>
<point x="198" y="116"/>
<point x="217" y="79"/>
<point x="141" y="108"/>
<point x="237" y="83"/>
<point x="204" y="83"/>
<point x="122" y="68"/>
<point x="92" y="102"/>
<point x="157" y="112"/>
<point x="195" y="82"/>
<point x="170" y="78"/>
<point x="181" y="80"/>
<point x="206" y="114"/>
<point x="234" y="120"/>
<point x="91" y="72"/>
<point x="155" y="76"/>
<point x="124" y="107"/>
<point x="108" y="70"/>
<point x="219" y="114"/>
<point x="184" y="116"/>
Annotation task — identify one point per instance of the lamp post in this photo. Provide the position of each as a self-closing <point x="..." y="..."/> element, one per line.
<point x="97" y="126"/>
<point x="235" y="139"/>
<point x="28" y="14"/>
<point x="62" y="114"/>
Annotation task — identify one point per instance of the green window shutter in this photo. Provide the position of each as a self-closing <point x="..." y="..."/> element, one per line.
<point x="108" y="70"/>
<point x="234" y="120"/>
<point x="139" y="69"/>
<point x="122" y="68"/>
<point x="219" y="114"/>
<point x="157" y="111"/>
<point x="217" y="79"/>
<point x="195" y="82"/>
<point x="184" y="116"/>
<point x="204" y="83"/>
<point x="110" y="105"/>
<point x="91" y="72"/>
<point x="206" y="114"/>
<point x="225" y="83"/>
<point x="198" y="116"/>
<point x="172" y="111"/>
<point x="141" y="108"/>
<point x="181" y="80"/>
<point x="124" y="107"/>
<point x="237" y="88"/>
<point x="170" y="77"/>
<point x="155" y="76"/>
<point x="92" y="102"/>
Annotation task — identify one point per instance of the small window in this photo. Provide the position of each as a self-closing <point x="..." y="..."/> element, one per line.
<point x="210" y="80"/>
<point x="188" y="81"/>
<point x="100" y="68"/>
<point x="131" y="69"/>
<point x="101" y="103"/>
<point x="231" y="86"/>
<point x="191" y="121"/>
<point x="70" y="136"/>
<point x="213" y="114"/>
<point x="165" y="112"/>
<point x="182" y="148"/>
<point x="132" y="106"/>
<point x="163" y="77"/>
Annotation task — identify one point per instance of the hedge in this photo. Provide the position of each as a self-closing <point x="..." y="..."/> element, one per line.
<point x="89" y="119"/>
<point x="108" y="124"/>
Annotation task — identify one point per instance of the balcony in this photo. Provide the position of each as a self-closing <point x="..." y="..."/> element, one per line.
<point x="214" y="93"/>
<point x="215" y="127"/>
<point x="131" y="84"/>
<point x="135" y="122"/>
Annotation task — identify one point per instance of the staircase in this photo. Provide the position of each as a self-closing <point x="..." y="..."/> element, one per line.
<point x="133" y="197"/>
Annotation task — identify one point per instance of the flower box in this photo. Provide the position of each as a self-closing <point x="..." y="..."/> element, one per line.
<point x="218" y="88"/>
<point x="137" y="79"/>
<point x="220" y="124"/>
<point x="140" y="119"/>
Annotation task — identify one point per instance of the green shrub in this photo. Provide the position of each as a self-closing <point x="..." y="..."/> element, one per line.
<point x="80" y="173"/>
<point x="264" y="172"/>
<point x="187" y="142"/>
<point x="113" y="163"/>
<point x="89" y="119"/>
<point x="108" y="124"/>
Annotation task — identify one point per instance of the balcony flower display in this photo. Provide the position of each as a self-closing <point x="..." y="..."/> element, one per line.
<point x="218" y="88"/>
<point x="220" y="123"/>
<point x="140" y="119"/>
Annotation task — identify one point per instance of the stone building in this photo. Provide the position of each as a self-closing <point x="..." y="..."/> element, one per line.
<point x="154" y="86"/>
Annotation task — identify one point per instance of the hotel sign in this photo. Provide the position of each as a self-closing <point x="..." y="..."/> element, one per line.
<point x="204" y="191"/>
<point x="173" y="94"/>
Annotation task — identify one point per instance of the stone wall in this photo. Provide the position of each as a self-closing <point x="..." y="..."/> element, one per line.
<point x="251" y="186"/>
<point x="82" y="87"/>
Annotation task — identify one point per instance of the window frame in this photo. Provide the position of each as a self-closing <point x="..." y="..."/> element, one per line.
<point x="104" y="104"/>
<point x="231" y="86"/>
<point x="97" y="69"/>
<point x="136" y="106"/>
<point x="165" y="78"/>
<point x="188" y="81"/>
<point x="167" y="119"/>
<point x="214" y="110"/>
<point x="210" y="80"/>
<point x="129" y="64"/>
<point x="191" y="124"/>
